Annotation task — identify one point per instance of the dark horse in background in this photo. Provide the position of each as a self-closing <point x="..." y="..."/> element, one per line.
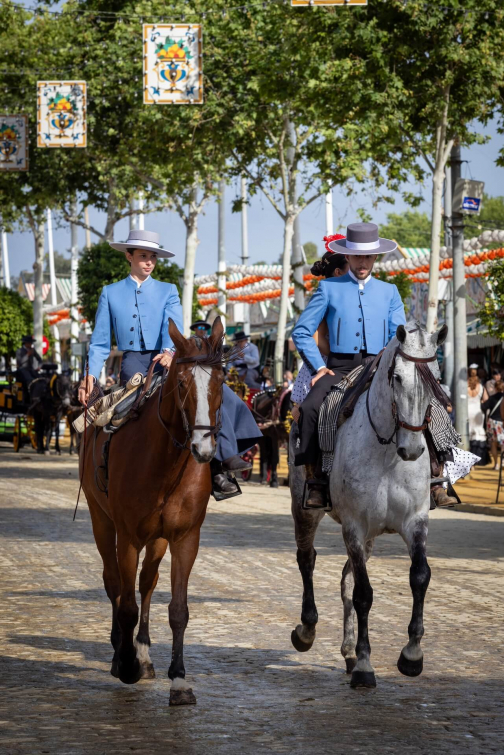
<point x="272" y="412"/>
<point x="50" y="399"/>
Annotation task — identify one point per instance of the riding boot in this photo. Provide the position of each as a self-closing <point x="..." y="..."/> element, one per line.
<point x="236" y="464"/>
<point x="317" y="484"/>
<point x="440" y="497"/>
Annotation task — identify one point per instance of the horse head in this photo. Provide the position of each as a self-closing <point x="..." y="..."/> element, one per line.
<point x="413" y="372"/>
<point x="61" y="390"/>
<point x="195" y="379"/>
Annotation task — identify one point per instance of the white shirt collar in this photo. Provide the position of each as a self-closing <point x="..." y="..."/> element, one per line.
<point x="361" y="283"/>
<point x="137" y="283"/>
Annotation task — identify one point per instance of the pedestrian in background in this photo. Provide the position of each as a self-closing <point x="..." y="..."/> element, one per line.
<point x="477" y="433"/>
<point x="495" y="425"/>
<point x="496" y="377"/>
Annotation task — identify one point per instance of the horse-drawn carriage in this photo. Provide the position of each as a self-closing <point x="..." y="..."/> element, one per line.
<point x="16" y="426"/>
<point x="30" y="414"/>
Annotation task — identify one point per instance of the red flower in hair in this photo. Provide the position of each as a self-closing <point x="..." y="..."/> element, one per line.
<point x="334" y="237"/>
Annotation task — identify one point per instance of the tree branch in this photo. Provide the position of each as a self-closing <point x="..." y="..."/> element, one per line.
<point x="258" y="182"/>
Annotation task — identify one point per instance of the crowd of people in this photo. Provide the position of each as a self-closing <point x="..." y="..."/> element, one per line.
<point x="486" y="426"/>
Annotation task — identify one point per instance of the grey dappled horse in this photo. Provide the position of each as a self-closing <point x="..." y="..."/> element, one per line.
<point x="376" y="488"/>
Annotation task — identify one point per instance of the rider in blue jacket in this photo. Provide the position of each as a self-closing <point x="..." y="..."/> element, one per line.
<point x="362" y="315"/>
<point x="137" y="310"/>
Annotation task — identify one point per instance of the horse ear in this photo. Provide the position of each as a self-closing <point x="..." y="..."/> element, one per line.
<point x="217" y="330"/>
<point x="440" y="337"/>
<point x="175" y="334"/>
<point x="401" y="333"/>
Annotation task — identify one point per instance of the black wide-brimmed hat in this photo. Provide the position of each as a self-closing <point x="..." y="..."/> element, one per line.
<point x="362" y="238"/>
<point x="28" y="339"/>
<point x="240" y="335"/>
<point x="146" y="240"/>
<point x="201" y="325"/>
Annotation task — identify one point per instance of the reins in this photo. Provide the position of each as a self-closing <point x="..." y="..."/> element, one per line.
<point x="427" y="378"/>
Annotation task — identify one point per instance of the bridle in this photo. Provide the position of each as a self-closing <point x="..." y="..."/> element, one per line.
<point x="201" y="360"/>
<point x="395" y="416"/>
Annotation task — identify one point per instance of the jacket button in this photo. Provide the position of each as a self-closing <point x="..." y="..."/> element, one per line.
<point x="132" y="328"/>
<point x="131" y="343"/>
<point x="360" y="318"/>
<point x="134" y="315"/>
<point x="139" y="292"/>
<point x="355" y="348"/>
<point x="357" y="334"/>
<point x="361" y="293"/>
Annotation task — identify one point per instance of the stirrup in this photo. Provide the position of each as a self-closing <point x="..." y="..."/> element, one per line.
<point x="327" y="506"/>
<point x="220" y="496"/>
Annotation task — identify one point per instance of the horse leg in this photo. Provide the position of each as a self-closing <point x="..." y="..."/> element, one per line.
<point x="305" y="524"/>
<point x="56" y="433"/>
<point x="274" y="460"/>
<point x="129" y="668"/>
<point x="410" y="661"/>
<point x="263" y="461"/>
<point x="363" y="673"/>
<point x="149" y="575"/>
<point x="39" y="431"/>
<point x="105" y="537"/>
<point x="183" y="555"/>
<point x="47" y="436"/>
<point x="347" y="588"/>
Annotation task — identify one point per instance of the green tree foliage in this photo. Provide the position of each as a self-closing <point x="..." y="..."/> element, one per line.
<point x="62" y="264"/>
<point x="311" y="252"/>
<point x="16" y="321"/>
<point x="409" y="228"/>
<point x="402" y="281"/>
<point x="101" y="265"/>
<point x="491" y="312"/>
<point x="491" y="218"/>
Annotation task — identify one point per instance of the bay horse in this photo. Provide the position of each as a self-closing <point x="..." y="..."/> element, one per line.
<point x="159" y="484"/>
<point x="50" y="398"/>
<point x="379" y="483"/>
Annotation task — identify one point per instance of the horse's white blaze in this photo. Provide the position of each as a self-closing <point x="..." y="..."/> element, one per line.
<point x="203" y="445"/>
<point x="179" y="683"/>
<point x="142" y="651"/>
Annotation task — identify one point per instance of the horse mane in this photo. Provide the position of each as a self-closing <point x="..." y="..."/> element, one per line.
<point x="215" y="356"/>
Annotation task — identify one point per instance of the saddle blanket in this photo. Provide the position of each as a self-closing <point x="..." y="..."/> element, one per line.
<point x="444" y="435"/>
<point x="101" y="412"/>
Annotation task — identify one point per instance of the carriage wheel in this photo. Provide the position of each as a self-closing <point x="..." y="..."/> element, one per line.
<point x="16" y="439"/>
<point x="30" y="429"/>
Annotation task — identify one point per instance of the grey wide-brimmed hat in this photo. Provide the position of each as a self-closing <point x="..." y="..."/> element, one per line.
<point x="362" y="238"/>
<point x="147" y="240"/>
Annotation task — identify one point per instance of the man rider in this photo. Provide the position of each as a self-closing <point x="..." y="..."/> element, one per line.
<point x="137" y="310"/>
<point x="248" y="359"/>
<point x="362" y="315"/>
<point x="28" y="363"/>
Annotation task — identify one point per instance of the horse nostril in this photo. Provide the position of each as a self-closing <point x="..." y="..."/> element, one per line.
<point x="403" y="453"/>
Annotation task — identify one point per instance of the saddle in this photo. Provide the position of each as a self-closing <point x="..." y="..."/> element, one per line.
<point x="113" y="410"/>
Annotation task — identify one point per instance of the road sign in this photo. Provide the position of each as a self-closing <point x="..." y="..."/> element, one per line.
<point x="467" y="196"/>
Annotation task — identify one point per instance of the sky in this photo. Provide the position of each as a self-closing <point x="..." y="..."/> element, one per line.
<point x="265" y="225"/>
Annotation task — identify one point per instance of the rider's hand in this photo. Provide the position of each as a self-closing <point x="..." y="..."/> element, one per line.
<point x="165" y="359"/>
<point x="85" y="389"/>
<point x="321" y="373"/>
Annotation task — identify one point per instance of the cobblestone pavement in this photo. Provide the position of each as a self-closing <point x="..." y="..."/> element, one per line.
<point x="255" y="693"/>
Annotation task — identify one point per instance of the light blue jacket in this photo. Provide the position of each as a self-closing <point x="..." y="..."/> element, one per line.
<point x="354" y="318"/>
<point x="138" y="316"/>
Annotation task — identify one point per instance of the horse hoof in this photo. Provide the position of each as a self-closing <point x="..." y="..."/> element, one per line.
<point x="115" y="669"/>
<point x="301" y="647"/>
<point x="350" y="664"/>
<point x="182" y="697"/>
<point x="362" y="679"/>
<point x="148" y="671"/>
<point x="274" y="484"/>
<point x="263" y="482"/>
<point x="47" y="453"/>
<point x="131" y="673"/>
<point x="410" y="668"/>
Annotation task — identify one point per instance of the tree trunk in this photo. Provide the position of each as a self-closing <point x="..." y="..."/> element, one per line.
<point x="284" y="298"/>
<point x="192" y="242"/>
<point x="38" y="275"/>
<point x="111" y="216"/>
<point x="437" y="195"/>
